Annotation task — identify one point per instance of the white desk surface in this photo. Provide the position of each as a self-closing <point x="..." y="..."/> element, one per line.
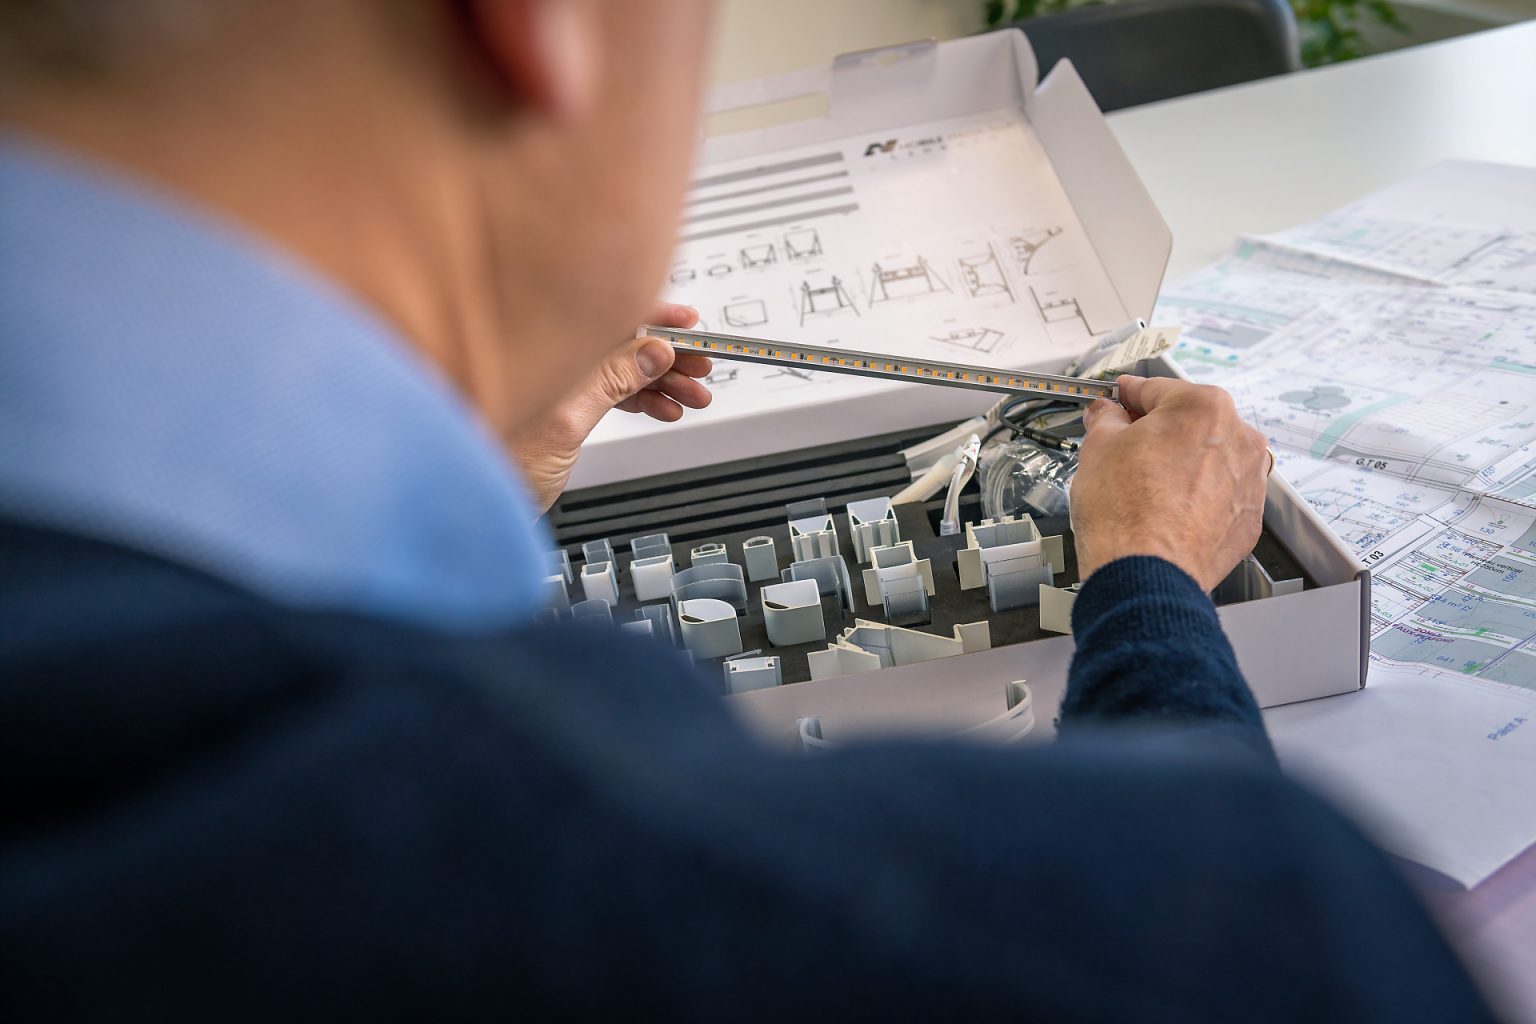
<point x="1272" y="154"/>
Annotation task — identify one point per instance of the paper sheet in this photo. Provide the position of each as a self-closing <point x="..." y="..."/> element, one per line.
<point x="1441" y="775"/>
<point x="1388" y="353"/>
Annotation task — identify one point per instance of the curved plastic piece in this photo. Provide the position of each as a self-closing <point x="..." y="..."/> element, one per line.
<point x="709" y="628"/>
<point x="792" y="613"/>
<point x="1011" y="726"/>
<point x="830" y="574"/>
<point x="719" y="581"/>
<point x="593" y="610"/>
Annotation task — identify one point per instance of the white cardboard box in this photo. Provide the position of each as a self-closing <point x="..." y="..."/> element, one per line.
<point x="1290" y="648"/>
<point x="945" y="205"/>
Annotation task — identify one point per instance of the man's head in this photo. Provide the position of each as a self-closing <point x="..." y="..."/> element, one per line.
<point x="499" y="178"/>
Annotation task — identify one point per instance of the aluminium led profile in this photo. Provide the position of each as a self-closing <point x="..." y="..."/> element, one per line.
<point x="792" y="613"/>
<point x="895" y="562"/>
<point x="812" y="533"/>
<point x="722" y="581"/>
<point x="831" y="576"/>
<point x="709" y="628"/>
<point x="872" y="524"/>
<point x="651" y="567"/>
<point x="752" y="673"/>
<point x="708" y="554"/>
<point x="885" y="367"/>
<point x="592" y="610"/>
<point x="762" y="561"/>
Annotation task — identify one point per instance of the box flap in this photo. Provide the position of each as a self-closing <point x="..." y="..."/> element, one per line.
<point x="1132" y="240"/>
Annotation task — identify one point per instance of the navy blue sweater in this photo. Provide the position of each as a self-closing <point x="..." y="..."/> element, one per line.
<point x="218" y="809"/>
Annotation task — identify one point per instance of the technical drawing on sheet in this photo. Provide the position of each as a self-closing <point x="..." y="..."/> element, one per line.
<point x="804" y="244"/>
<point x="1056" y="308"/>
<point x="1398" y="390"/>
<point x="905" y="281"/>
<point x="745" y="313"/>
<point x="1028" y="244"/>
<point x="983" y="276"/>
<point x="824" y="245"/>
<point x="825" y="299"/>
<point x="755" y="257"/>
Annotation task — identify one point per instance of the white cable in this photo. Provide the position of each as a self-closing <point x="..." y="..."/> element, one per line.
<point x="965" y="467"/>
<point x="929" y="484"/>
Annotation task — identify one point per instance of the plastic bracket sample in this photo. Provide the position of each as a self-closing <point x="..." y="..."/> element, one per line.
<point x="660" y="618"/>
<point x="831" y="576"/>
<point x="989" y="535"/>
<point x="599" y="574"/>
<point x="752" y="673"/>
<point x="812" y="534"/>
<point x="708" y="554"/>
<point x="651" y="567"/>
<point x="872" y="524"/>
<point x="721" y="581"/>
<point x="895" y="562"/>
<point x="560" y="565"/>
<point x="761" y="559"/>
<point x="792" y="613"/>
<point x="1012" y="726"/>
<point x="600" y="582"/>
<point x="639" y="627"/>
<point x="1250" y="581"/>
<point x="592" y="610"/>
<point x="709" y="628"/>
<point x="905" y="602"/>
<point x="1056" y="607"/>
<point x="1010" y="558"/>
<point x="556" y="597"/>
<point x="1016" y="583"/>
<point x="870" y="646"/>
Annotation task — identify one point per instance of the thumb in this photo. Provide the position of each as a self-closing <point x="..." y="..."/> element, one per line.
<point x="629" y="370"/>
<point x="1104" y="417"/>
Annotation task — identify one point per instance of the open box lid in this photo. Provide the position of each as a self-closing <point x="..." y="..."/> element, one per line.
<point x="944" y="205"/>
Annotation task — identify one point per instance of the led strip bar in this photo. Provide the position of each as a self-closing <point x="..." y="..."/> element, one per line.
<point x="887" y="367"/>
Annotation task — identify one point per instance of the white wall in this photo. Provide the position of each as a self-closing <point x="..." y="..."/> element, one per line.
<point x="767" y="37"/>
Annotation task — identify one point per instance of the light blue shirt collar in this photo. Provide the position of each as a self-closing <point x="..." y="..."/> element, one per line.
<point x="171" y="383"/>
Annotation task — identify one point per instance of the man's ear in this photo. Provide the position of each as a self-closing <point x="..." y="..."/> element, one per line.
<point x="546" y="51"/>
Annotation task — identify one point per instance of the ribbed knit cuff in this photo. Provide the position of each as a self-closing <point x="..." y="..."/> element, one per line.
<point x="1149" y="598"/>
<point x="1150" y="648"/>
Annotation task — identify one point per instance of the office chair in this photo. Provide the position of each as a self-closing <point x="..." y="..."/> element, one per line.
<point x="1136" y="51"/>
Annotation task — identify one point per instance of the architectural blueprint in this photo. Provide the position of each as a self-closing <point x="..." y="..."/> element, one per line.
<point x="1388" y="352"/>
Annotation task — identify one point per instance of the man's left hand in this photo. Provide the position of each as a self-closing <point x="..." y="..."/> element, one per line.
<point x="644" y="376"/>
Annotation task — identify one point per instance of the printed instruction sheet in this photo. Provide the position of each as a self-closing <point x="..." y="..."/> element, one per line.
<point x="956" y="242"/>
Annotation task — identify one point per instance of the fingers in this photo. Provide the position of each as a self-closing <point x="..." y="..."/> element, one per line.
<point x="653" y="404"/>
<point x="692" y="364"/>
<point x="674" y="314"/>
<point x="1140" y="395"/>
<point x="681" y="390"/>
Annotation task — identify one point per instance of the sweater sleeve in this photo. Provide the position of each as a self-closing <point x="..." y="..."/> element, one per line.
<point x="1150" y="650"/>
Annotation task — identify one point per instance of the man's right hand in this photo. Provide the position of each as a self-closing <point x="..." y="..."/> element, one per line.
<point x="1172" y="472"/>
